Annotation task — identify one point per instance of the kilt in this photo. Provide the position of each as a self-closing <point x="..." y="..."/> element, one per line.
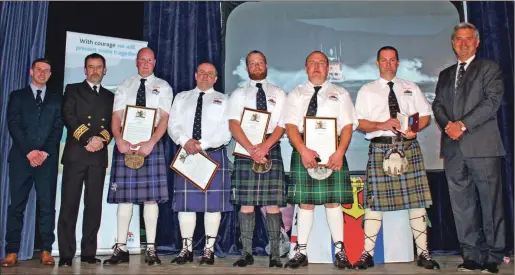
<point x="250" y="188"/>
<point x="304" y="189"/>
<point x="409" y="190"/>
<point x="148" y="183"/>
<point x="188" y="198"/>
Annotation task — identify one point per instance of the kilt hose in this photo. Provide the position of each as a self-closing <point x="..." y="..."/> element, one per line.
<point x="188" y="198"/>
<point x="409" y="190"/>
<point x="147" y="183"/>
<point x="250" y="188"/>
<point x="304" y="189"/>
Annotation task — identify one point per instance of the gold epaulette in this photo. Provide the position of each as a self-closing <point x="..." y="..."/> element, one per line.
<point x="80" y="131"/>
<point x="105" y="134"/>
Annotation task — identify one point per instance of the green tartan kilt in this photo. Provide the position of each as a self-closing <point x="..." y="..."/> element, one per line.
<point x="409" y="190"/>
<point x="303" y="189"/>
<point x="250" y="188"/>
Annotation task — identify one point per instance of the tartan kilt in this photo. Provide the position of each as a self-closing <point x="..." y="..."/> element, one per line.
<point x="188" y="198"/>
<point x="250" y="188"/>
<point x="409" y="190"/>
<point x="304" y="189"/>
<point x="148" y="183"/>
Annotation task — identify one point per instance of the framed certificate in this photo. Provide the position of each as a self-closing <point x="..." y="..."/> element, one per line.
<point x="320" y="135"/>
<point x="254" y="124"/>
<point x="199" y="169"/>
<point x="138" y="124"/>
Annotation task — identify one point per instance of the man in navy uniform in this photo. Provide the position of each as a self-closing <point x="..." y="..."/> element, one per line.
<point x="34" y="123"/>
<point x="86" y="112"/>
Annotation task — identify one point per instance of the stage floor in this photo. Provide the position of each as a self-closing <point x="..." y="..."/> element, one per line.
<point x="448" y="265"/>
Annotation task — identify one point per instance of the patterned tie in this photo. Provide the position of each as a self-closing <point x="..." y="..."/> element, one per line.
<point x="197" y="122"/>
<point x="393" y="105"/>
<point x="95" y="88"/>
<point x="140" y="97"/>
<point x="461" y="72"/>
<point x="313" y="104"/>
<point x="38" y="98"/>
<point x="260" y="98"/>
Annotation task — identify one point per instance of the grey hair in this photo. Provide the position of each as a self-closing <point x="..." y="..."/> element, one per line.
<point x="465" y="25"/>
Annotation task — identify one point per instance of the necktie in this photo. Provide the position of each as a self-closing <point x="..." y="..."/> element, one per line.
<point x="260" y="98"/>
<point x="461" y="72"/>
<point x="140" y="97"/>
<point x="38" y="98"/>
<point x="393" y="105"/>
<point x="313" y="104"/>
<point x="95" y="88"/>
<point x="197" y="122"/>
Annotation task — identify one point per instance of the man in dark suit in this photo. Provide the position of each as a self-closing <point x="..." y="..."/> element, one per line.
<point x="468" y="95"/>
<point x="34" y="122"/>
<point x="86" y="112"/>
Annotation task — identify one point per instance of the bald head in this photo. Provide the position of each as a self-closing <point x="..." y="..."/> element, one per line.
<point x="145" y="62"/>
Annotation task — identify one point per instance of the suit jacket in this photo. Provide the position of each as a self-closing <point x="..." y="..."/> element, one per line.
<point x="33" y="128"/>
<point x="475" y="102"/>
<point x="86" y="114"/>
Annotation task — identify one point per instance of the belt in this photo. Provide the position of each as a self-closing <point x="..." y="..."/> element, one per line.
<point x="211" y="150"/>
<point x="389" y="140"/>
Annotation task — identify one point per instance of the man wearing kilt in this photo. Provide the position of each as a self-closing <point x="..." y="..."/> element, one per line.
<point x="318" y="97"/>
<point x="377" y="105"/>
<point x="197" y="123"/>
<point x="147" y="184"/>
<point x="248" y="187"/>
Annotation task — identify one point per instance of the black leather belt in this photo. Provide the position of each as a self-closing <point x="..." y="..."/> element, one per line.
<point x="211" y="150"/>
<point x="389" y="140"/>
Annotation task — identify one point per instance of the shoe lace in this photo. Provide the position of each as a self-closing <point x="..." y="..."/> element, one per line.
<point x="186" y="243"/>
<point x="207" y="253"/>
<point x="183" y="252"/>
<point x="426" y="256"/>
<point x="152" y="252"/>
<point x="364" y="256"/>
<point x="117" y="249"/>
<point x="341" y="255"/>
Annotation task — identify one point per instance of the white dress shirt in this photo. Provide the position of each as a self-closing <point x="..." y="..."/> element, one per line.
<point x="215" y="127"/>
<point x="372" y="102"/>
<point x="464" y="67"/>
<point x="158" y="94"/>
<point x="246" y="97"/>
<point x="332" y="101"/>
<point x="91" y="85"/>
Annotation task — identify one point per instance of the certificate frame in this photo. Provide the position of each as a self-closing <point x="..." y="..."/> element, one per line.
<point x="243" y="114"/>
<point x="331" y="134"/>
<point x="197" y="185"/>
<point x="147" y="109"/>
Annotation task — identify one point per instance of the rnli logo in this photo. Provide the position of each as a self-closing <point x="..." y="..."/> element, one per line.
<point x="356" y="210"/>
<point x="217" y="101"/>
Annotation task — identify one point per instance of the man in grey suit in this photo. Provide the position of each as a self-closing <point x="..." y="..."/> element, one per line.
<point x="468" y="95"/>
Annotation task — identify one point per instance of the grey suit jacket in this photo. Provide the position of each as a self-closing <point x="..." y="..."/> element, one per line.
<point x="475" y="102"/>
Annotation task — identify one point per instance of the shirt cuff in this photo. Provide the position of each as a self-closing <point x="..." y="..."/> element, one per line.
<point x="204" y="145"/>
<point x="182" y="140"/>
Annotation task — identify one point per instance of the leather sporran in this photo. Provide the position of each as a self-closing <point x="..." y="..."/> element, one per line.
<point x="395" y="162"/>
<point x="134" y="161"/>
<point x="262" y="168"/>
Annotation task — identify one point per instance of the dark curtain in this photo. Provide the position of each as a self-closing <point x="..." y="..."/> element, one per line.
<point x="22" y="39"/>
<point x="183" y="35"/>
<point x="494" y="21"/>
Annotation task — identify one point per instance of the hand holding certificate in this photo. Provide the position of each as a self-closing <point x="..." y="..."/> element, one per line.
<point x="199" y="169"/>
<point x="320" y="135"/>
<point x="254" y="124"/>
<point x="138" y="127"/>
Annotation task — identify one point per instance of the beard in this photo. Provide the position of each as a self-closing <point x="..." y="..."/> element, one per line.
<point x="258" y="75"/>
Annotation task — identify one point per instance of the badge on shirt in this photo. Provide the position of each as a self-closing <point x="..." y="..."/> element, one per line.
<point x="217" y="101"/>
<point x="407" y="93"/>
<point x="271" y="100"/>
<point x="155" y="90"/>
<point x="333" y="97"/>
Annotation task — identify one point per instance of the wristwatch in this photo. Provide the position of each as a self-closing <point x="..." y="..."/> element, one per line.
<point x="463" y="128"/>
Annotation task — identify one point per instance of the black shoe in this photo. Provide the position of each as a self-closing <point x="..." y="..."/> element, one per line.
<point x="340" y="259"/>
<point x="297" y="261"/>
<point x="469" y="265"/>
<point x="425" y="261"/>
<point x="151" y="257"/>
<point x="184" y="256"/>
<point x="90" y="260"/>
<point x="490" y="268"/>
<point x="365" y="261"/>
<point x="244" y="260"/>
<point x="274" y="262"/>
<point x="207" y="258"/>
<point x="119" y="256"/>
<point x="65" y="262"/>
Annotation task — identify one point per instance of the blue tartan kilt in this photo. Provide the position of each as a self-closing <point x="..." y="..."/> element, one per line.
<point x="188" y="198"/>
<point x="148" y="183"/>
